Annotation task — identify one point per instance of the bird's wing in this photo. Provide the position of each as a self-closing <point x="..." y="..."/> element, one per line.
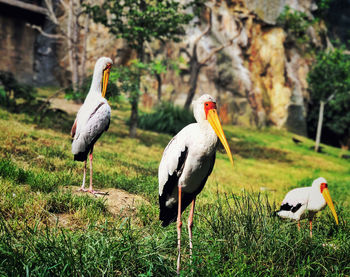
<point x="168" y="211"/>
<point x="295" y="200"/>
<point x="97" y="122"/>
<point x="172" y="163"/>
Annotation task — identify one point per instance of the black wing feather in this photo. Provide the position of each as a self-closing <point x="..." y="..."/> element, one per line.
<point x="291" y="208"/>
<point x="169" y="214"/>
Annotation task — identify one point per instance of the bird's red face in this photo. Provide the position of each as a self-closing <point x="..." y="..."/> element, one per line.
<point x="209" y="106"/>
<point x="105" y="79"/>
<point x="213" y="119"/>
<point x="327" y="197"/>
<point x="323" y="186"/>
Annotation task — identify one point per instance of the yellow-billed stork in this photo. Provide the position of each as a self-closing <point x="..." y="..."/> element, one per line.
<point x="93" y="118"/>
<point x="187" y="162"/>
<point x="311" y="199"/>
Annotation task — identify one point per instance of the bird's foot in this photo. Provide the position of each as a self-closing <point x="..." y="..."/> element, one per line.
<point x="96" y="192"/>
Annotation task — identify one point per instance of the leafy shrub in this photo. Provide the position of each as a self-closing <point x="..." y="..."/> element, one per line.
<point x="295" y="23"/>
<point x="329" y="81"/>
<point x="13" y="90"/>
<point x="167" y="118"/>
<point x="112" y="93"/>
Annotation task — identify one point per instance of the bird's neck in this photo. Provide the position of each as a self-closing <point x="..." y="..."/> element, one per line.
<point x="95" y="89"/>
<point x="207" y="129"/>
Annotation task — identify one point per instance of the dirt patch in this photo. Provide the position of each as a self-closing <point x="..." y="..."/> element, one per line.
<point x="68" y="106"/>
<point x="119" y="202"/>
<point x="64" y="220"/>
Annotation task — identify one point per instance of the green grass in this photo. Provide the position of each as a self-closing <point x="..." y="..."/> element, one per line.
<point x="46" y="229"/>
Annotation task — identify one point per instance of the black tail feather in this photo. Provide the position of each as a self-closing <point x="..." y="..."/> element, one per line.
<point x="81" y="156"/>
<point x="169" y="214"/>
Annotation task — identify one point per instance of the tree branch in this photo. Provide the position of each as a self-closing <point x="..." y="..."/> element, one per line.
<point x="216" y="50"/>
<point x="26" y="6"/>
<point x="206" y="31"/>
<point x="41" y="31"/>
<point x="50" y="12"/>
<point x="184" y="50"/>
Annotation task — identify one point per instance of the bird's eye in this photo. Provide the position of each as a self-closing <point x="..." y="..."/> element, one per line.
<point x="207" y="104"/>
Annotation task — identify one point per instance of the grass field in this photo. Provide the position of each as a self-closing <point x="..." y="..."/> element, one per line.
<point x="47" y="229"/>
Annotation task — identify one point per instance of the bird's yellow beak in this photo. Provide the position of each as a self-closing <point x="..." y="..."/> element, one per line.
<point x="105" y="81"/>
<point x="329" y="201"/>
<point x="214" y="121"/>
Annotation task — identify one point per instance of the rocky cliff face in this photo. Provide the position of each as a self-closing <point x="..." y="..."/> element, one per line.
<point x="261" y="78"/>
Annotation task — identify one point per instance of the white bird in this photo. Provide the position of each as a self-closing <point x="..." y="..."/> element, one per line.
<point x="311" y="199"/>
<point x="187" y="162"/>
<point x="93" y="118"/>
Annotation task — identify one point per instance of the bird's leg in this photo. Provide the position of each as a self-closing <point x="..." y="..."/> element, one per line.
<point x="311" y="217"/>
<point x="82" y="188"/>
<point x="310" y="221"/>
<point x="190" y="224"/>
<point x="91" y="190"/>
<point x="90" y="187"/>
<point x="298" y="225"/>
<point x="179" y="225"/>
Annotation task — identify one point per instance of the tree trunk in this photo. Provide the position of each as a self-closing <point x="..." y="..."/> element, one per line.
<point x="195" y="68"/>
<point x="70" y="39"/>
<point x="75" y="42"/>
<point x="135" y="98"/>
<point x="159" y="80"/>
<point x="319" y="126"/>
<point x="134" y="117"/>
<point x="84" y="53"/>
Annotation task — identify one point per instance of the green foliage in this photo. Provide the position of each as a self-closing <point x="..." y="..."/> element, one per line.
<point x="12" y="90"/>
<point x="167" y="118"/>
<point x="157" y="66"/>
<point x="126" y="79"/>
<point x="112" y="92"/>
<point x="138" y="21"/>
<point x="295" y="23"/>
<point x="330" y="74"/>
<point x="323" y="7"/>
<point x="329" y="78"/>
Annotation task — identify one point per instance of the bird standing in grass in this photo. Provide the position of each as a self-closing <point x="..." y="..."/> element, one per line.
<point x="311" y="199"/>
<point x="93" y="118"/>
<point x="187" y="162"/>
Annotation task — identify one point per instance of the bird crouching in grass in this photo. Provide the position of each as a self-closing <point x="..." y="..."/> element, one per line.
<point x="311" y="199"/>
<point x="187" y="162"/>
<point x="93" y="119"/>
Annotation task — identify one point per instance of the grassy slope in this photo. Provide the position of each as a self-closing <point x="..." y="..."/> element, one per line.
<point x="38" y="159"/>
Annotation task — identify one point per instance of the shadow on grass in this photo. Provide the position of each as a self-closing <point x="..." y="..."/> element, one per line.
<point x="142" y="170"/>
<point x="251" y="150"/>
<point x="44" y="118"/>
<point x="149" y="139"/>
